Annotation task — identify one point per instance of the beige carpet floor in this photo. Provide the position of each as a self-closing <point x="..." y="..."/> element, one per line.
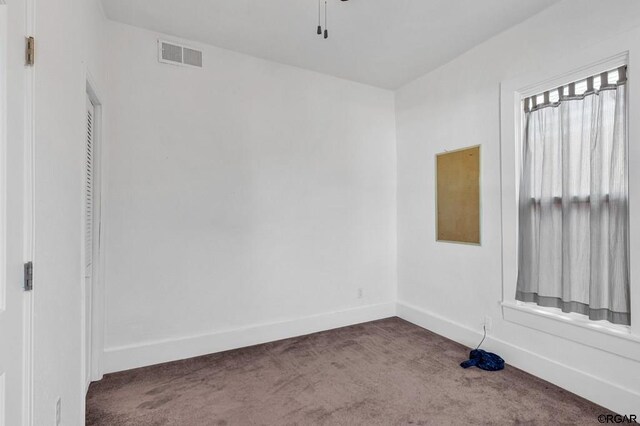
<point x="386" y="372"/>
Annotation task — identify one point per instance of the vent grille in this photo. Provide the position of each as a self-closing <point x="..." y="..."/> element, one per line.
<point x="192" y="57"/>
<point x="172" y="53"/>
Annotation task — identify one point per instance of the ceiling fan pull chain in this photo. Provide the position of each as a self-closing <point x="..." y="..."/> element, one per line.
<point x="319" y="32"/>
<point x="326" y="31"/>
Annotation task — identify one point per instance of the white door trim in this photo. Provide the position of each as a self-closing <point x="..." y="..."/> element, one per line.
<point x="29" y="223"/>
<point x="96" y="321"/>
<point x="4" y="69"/>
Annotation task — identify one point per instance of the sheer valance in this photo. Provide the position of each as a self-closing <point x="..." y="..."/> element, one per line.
<point x="577" y="90"/>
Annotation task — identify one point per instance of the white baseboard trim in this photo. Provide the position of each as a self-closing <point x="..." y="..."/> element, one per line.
<point x="602" y="392"/>
<point x="156" y="352"/>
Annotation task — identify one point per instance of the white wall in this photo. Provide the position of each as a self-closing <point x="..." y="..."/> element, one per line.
<point x="449" y="288"/>
<point x="68" y="44"/>
<point x="239" y="195"/>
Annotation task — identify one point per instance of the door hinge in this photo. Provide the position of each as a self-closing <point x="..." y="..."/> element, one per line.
<point x="30" y="51"/>
<point x="28" y="276"/>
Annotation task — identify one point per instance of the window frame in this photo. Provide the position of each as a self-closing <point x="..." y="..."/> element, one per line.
<point x="618" y="339"/>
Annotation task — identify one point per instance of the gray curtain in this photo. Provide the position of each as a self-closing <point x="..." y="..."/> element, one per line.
<point x="573" y="236"/>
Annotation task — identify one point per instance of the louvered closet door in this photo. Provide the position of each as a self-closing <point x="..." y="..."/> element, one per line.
<point x="88" y="229"/>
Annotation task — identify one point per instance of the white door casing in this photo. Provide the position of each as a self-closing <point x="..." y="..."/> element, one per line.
<point x="93" y="310"/>
<point x="16" y="206"/>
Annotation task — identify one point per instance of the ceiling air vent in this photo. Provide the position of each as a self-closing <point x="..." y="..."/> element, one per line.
<point x="172" y="53"/>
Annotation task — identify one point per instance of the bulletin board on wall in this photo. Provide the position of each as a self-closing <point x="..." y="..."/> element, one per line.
<point x="458" y="196"/>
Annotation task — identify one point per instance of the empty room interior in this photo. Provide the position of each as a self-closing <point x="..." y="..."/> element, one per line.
<point x="332" y="212"/>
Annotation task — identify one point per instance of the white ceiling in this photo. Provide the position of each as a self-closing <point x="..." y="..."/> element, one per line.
<point x="384" y="43"/>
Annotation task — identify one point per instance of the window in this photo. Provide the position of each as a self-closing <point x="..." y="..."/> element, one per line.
<point x="573" y="242"/>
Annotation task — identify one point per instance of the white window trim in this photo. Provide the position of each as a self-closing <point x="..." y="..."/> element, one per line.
<point x="620" y="340"/>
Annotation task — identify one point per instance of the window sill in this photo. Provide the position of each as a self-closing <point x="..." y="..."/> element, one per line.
<point x="611" y="338"/>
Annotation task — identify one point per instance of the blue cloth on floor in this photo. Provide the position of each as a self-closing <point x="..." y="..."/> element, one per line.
<point x="483" y="360"/>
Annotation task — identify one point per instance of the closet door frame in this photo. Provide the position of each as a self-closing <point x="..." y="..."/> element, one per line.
<point x="93" y="315"/>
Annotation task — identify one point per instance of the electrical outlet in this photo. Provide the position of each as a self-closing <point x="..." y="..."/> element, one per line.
<point x="58" y="411"/>
<point x="360" y="293"/>
<point x="488" y="323"/>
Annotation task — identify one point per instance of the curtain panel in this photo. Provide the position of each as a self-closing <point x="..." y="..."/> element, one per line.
<point x="573" y="201"/>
